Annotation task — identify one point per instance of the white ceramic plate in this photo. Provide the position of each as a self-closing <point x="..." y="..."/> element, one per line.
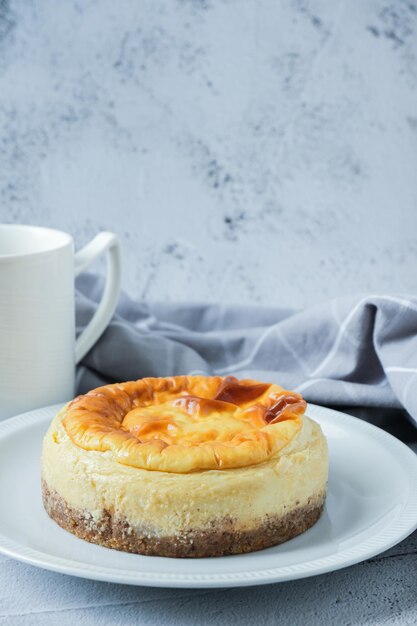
<point x="371" y="506"/>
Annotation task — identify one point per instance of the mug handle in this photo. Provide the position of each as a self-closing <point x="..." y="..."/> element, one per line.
<point x="103" y="242"/>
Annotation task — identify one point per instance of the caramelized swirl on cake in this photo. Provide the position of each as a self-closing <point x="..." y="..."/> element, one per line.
<point x="186" y="423"/>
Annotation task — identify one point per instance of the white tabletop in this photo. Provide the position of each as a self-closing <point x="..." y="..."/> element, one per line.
<point x="382" y="590"/>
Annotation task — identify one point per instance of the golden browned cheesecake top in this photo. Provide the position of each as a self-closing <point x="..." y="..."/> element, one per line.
<point x="186" y="423"/>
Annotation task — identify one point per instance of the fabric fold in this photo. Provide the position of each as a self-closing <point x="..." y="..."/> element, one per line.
<point x="359" y="350"/>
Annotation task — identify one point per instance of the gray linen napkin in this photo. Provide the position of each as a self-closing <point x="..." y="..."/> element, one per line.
<point x="359" y="350"/>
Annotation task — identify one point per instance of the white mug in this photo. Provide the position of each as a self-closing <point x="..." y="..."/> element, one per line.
<point x="38" y="350"/>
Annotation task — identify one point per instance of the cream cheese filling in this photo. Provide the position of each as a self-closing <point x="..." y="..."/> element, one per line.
<point x="167" y="503"/>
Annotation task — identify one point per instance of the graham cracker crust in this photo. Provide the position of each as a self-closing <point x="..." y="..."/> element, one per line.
<point x="219" y="539"/>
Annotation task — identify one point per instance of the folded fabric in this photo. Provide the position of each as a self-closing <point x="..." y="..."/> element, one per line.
<point x="358" y="350"/>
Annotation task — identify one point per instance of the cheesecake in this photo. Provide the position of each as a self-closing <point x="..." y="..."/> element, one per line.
<point x="185" y="466"/>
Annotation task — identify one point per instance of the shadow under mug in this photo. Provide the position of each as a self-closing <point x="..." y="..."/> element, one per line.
<point x="38" y="349"/>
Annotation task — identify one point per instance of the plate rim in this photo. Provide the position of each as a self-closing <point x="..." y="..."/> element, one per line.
<point x="391" y="534"/>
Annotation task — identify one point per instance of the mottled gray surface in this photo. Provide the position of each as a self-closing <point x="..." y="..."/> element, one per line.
<point x="380" y="591"/>
<point x="251" y="151"/>
<point x="243" y="150"/>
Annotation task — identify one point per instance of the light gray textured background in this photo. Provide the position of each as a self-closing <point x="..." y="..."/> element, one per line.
<point x="244" y="150"/>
